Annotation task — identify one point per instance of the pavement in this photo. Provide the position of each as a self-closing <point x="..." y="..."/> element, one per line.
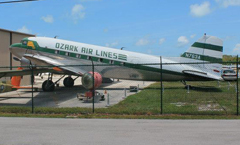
<point x="67" y="97"/>
<point x="47" y="131"/>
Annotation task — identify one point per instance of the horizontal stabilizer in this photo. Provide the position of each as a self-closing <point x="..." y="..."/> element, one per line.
<point x="201" y="74"/>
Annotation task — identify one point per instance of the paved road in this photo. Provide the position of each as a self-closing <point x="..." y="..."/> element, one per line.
<point x="40" y="131"/>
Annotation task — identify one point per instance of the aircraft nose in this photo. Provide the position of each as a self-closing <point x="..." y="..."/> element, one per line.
<point x="14" y="49"/>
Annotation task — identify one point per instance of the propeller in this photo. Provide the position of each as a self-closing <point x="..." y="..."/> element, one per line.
<point x="16" y="59"/>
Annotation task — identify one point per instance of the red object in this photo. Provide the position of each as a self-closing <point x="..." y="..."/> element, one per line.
<point x="88" y="94"/>
<point x="16" y="80"/>
<point x="216" y="70"/>
<point x="97" y="79"/>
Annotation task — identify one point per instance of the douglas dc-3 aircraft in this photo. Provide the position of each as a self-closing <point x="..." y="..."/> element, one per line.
<point x="119" y="64"/>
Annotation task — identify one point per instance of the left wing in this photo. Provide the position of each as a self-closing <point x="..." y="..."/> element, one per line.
<point x="10" y="73"/>
<point x="62" y="63"/>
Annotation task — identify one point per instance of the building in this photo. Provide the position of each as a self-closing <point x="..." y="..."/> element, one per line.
<point x="9" y="37"/>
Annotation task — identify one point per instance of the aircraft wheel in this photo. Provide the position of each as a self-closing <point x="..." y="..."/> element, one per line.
<point x="68" y="82"/>
<point x="48" y="86"/>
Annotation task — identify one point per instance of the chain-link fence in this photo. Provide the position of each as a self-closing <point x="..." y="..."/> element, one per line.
<point x="195" y="88"/>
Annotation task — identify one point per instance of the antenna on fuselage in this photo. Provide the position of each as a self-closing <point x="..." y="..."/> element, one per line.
<point x="55" y="36"/>
<point x="122" y="48"/>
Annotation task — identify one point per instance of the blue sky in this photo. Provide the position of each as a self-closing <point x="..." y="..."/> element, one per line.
<point x="156" y="27"/>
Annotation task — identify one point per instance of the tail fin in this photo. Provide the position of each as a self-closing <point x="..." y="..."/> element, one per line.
<point x="207" y="48"/>
<point x="16" y="80"/>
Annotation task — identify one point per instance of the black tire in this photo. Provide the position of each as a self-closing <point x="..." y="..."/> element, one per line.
<point x="48" y="86"/>
<point x="68" y="82"/>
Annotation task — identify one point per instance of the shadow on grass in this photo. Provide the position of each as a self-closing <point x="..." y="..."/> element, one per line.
<point x="206" y="89"/>
<point x="200" y="89"/>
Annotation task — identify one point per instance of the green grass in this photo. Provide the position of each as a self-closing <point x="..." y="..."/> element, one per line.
<point x="206" y="100"/>
<point x="201" y="95"/>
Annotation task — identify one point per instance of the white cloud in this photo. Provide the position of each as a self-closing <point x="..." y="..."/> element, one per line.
<point x="182" y="41"/>
<point x="142" y="41"/>
<point x="48" y="19"/>
<point x="161" y="41"/>
<point x="203" y="9"/>
<point x="227" y="3"/>
<point x="193" y="35"/>
<point x="237" y="48"/>
<point x="112" y="44"/>
<point x="78" y="12"/>
<point x="24" y="29"/>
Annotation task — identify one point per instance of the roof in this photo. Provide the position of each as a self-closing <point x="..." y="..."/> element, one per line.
<point x="16" y="32"/>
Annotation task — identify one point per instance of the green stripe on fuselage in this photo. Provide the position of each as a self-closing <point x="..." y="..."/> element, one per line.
<point x="202" y="57"/>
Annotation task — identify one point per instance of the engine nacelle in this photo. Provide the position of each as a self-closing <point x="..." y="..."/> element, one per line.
<point x="24" y="62"/>
<point x="87" y="80"/>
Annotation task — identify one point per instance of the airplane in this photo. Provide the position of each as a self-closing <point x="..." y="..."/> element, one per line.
<point x="201" y="62"/>
<point x="13" y="85"/>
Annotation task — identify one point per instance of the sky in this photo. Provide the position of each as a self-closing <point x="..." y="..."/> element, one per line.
<point x="156" y="27"/>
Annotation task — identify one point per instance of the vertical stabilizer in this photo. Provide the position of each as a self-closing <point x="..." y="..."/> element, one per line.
<point x="207" y="51"/>
<point x="207" y="48"/>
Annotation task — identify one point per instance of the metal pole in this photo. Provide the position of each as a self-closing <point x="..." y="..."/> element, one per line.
<point x="161" y="86"/>
<point x="93" y="89"/>
<point x="10" y="52"/>
<point x="32" y="80"/>
<point x="125" y="93"/>
<point x="237" y="90"/>
<point x="108" y="102"/>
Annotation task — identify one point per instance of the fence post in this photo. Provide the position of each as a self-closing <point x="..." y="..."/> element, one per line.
<point x="125" y="93"/>
<point x="108" y="101"/>
<point x="32" y="80"/>
<point x="93" y="88"/>
<point x="163" y="88"/>
<point x="161" y="85"/>
<point x="237" y="90"/>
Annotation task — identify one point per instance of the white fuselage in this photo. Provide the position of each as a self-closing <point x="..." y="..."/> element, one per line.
<point x="130" y="65"/>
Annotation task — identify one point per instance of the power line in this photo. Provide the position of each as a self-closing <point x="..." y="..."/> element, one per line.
<point x="17" y="1"/>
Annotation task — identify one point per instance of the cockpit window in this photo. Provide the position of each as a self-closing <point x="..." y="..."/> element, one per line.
<point x="24" y="42"/>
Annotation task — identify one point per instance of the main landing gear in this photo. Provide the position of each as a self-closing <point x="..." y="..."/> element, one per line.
<point x="68" y="82"/>
<point x="49" y="85"/>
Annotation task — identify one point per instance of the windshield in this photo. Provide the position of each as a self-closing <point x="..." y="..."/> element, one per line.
<point x="24" y="42"/>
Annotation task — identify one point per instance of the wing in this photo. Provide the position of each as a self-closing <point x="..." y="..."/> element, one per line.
<point x="62" y="63"/>
<point x="10" y="73"/>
